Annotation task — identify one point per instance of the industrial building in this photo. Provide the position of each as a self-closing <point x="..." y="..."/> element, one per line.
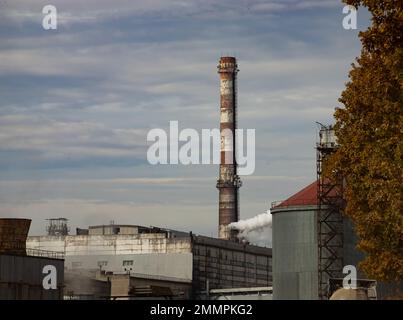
<point x="137" y="261"/>
<point x="295" y="249"/>
<point x="22" y="271"/>
<point x="313" y="240"/>
<point x="184" y="263"/>
<point x="295" y="246"/>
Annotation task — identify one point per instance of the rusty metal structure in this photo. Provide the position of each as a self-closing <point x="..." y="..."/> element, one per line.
<point x="228" y="182"/>
<point x="329" y="218"/>
<point x="57" y="227"/>
<point x="13" y="236"/>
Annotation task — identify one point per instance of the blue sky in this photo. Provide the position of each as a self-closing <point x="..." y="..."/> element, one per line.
<point x="77" y="103"/>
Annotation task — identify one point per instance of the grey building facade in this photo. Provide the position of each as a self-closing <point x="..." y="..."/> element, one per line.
<point x="21" y="278"/>
<point x="188" y="264"/>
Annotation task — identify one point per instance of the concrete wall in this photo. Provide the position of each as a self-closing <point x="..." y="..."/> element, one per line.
<point x="170" y="266"/>
<point x="295" y="253"/>
<point x="154" y="256"/>
<point x="21" y="278"/>
<point x="110" y="244"/>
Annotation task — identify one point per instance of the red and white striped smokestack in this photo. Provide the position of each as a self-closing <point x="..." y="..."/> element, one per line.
<point x="228" y="182"/>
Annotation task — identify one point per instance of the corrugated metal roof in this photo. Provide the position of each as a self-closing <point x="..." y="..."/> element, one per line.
<point x="307" y="196"/>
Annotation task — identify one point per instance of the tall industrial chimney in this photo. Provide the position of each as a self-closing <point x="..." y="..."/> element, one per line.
<point x="228" y="182"/>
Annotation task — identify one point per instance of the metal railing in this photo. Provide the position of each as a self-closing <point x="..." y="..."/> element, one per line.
<point x="44" y="253"/>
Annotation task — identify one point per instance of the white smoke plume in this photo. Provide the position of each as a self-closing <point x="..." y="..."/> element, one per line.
<point x="256" y="230"/>
<point x="260" y="221"/>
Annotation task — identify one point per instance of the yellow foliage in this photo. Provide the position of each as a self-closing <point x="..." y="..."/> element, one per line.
<point x="370" y="133"/>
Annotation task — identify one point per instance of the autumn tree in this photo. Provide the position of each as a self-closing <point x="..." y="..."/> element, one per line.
<point x="370" y="134"/>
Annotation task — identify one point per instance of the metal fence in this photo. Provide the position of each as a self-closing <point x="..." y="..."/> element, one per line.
<point x="45" y="253"/>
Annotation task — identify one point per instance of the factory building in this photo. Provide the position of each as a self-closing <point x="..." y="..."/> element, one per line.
<point x="22" y="272"/>
<point x="137" y="262"/>
<point x="158" y="261"/>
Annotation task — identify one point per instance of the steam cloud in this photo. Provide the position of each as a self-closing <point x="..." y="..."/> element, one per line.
<point x="256" y="230"/>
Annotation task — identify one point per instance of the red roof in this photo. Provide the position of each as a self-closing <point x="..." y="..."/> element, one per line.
<point x="307" y="196"/>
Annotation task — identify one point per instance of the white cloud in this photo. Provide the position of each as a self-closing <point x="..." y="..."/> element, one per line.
<point x="57" y="139"/>
<point x="83" y="213"/>
<point x="97" y="8"/>
<point x="95" y="90"/>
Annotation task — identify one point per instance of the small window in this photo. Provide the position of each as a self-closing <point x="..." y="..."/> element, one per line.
<point x="102" y="263"/>
<point x="76" y="264"/>
<point x="127" y="263"/>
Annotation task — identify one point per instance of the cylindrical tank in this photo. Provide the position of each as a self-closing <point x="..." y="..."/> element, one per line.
<point x="295" y="252"/>
<point x="13" y="235"/>
<point x="295" y="246"/>
<point x="295" y="249"/>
